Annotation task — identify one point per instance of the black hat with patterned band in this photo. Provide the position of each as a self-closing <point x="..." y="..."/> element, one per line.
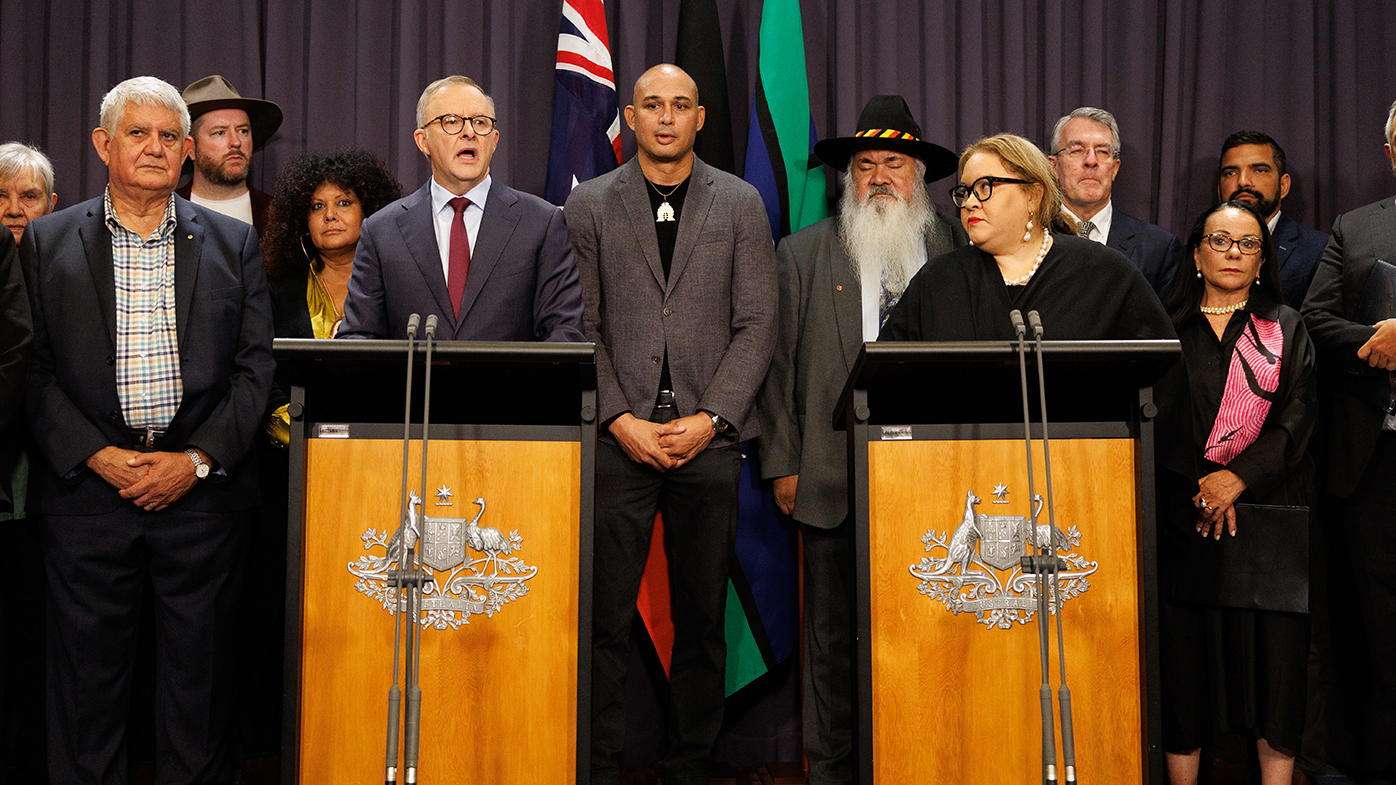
<point x="886" y="124"/>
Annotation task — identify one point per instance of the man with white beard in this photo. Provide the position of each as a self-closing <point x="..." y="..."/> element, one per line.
<point x="839" y="279"/>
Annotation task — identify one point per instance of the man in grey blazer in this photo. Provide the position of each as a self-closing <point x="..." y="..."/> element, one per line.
<point x="678" y="278"/>
<point x="1085" y="154"/>
<point x="839" y="279"/>
<point x="492" y="263"/>
<point x="1349" y="313"/>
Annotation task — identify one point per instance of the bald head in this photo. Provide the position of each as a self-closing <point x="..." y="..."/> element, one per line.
<point x="666" y="119"/>
<point x="667" y="77"/>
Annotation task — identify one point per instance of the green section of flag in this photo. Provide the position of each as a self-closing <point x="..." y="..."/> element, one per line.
<point x="744" y="661"/>
<point x="782" y="73"/>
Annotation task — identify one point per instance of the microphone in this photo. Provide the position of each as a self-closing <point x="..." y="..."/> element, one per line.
<point x="1036" y="321"/>
<point x="1016" y="316"/>
<point x="412" y="322"/>
<point x="431" y="326"/>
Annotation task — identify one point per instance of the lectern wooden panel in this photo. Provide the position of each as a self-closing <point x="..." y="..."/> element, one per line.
<point x="499" y="693"/>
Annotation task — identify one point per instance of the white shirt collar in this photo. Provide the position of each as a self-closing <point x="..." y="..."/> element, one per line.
<point x="1273" y="222"/>
<point x="1102" y="221"/>
<point x="477" y="195"/>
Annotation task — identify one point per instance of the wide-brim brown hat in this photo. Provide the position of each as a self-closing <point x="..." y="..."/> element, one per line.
<point x="215" y="92"/>
<point x="886" y="124"/>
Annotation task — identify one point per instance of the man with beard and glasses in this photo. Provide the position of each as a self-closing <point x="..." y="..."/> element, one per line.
<point x="1085" y="158"/>
<point x="226" y="129"/>
<point x="1252" y="169"/>
<point x="839" y="279"/>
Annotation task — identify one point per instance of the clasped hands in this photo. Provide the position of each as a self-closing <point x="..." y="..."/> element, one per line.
<point x="663" y="446"/>
<point x="150" y="480"/>
<point x="1215" y="502"/>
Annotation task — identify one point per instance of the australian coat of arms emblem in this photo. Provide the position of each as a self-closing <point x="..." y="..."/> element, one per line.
<point x="966" y="571"/>
<point x="471" y="568"/>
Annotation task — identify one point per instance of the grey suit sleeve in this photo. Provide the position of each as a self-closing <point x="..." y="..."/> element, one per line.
<point x="557" y="299"/>
<point x="733" y="388"/>
<point x="64" y="435"/>
<point x="582" y="230"/>
<point x="226" y="434"/>
<point x="781" y="439"/>
<point x="1324" y="315"/>
<point x="365" y="310"/>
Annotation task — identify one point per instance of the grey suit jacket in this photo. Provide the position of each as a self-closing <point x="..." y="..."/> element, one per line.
<point x="819" y="333"/>
<point x="522" y="284"/>
<point x="223" y="323"/>
<point x="1360" y="238"/>
<point x="715" y="315"/>
<point x="1154" y="250"/>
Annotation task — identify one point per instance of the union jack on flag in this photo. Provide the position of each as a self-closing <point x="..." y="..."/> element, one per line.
<point x="586" y="115"/>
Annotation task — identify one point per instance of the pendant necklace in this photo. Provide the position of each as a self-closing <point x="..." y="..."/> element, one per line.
<point x="666" y="210"/>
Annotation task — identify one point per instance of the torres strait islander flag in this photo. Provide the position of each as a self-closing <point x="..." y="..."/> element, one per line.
<point x="586" y="116"/>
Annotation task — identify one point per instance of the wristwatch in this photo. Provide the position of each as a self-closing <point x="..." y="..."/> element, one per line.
<point x="719" y="425"/>
<point x="200" y="468"/>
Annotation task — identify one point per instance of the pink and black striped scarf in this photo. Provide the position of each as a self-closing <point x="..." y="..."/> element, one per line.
<point x="1251" y="382"/>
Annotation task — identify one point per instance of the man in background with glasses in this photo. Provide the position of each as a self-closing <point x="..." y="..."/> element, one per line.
<point x="492" y="263"/>
<point x="1085" y="156"/>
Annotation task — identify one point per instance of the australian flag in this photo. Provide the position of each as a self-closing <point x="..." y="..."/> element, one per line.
<point x="586" y="116"/>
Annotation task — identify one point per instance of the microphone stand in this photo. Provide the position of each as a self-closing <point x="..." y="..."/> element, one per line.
<point x="414" y="634"/>
<point x="395" y="692"/>
<point x="1064" y="692"/>
<point x="1031" y="564"/>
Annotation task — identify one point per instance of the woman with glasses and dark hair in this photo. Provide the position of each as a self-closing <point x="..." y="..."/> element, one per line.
<point x="1023" y="254"/>
<point x="1234" y="421"/>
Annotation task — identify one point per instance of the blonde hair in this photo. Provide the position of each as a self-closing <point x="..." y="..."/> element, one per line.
<point x="1023" y="159"/>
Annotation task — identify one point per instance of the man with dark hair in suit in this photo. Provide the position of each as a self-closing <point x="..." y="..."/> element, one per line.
<point x="1352" y="319"/>
<point x="1253" y="169"/>
<point x="226" y="129"/>
<point x="678" y="276"/>
<point x="492" y="263"/>
<point x="839" y="279"/>
<point x="1085" y="155"/>
<point x="151" y="370"/>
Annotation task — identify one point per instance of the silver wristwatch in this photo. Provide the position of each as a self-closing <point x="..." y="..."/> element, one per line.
<point x="201" y="469"/>
<point x="719" y="425"/>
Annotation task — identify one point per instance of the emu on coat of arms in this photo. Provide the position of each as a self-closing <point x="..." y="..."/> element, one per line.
<point x="966" y="578"/>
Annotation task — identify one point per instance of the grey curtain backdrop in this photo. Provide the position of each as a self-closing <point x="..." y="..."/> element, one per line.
<point x="1179" y="74"/>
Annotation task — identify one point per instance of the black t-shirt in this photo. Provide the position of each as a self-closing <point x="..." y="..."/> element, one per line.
<point x="667" y="232"/>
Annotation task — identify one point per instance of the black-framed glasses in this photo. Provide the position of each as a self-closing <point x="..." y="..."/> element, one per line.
<point x="1077" y="152"/>
<point x="453" y="124"/>
<point x="1250" y="245"/>
<point x="983" y="188"/>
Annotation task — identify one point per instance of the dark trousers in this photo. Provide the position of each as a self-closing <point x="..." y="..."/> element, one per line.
<point x="699" y="503"/>
<point x="97" y="567"/>
<point x="827" y="705"/>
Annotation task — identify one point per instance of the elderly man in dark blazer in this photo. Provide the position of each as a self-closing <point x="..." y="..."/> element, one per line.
<point x="152" y="366"/>
<point x="678" y="277"/>
<point x="839" y="279"/>
<point x="492" y="263"/>
<point x="1350" y="312"/>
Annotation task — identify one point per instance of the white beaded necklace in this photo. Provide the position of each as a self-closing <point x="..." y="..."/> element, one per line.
<point x="1042" y="254"/>
<point x="1223" y="309"/>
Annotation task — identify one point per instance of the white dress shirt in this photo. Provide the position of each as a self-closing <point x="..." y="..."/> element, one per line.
<point x="1100" y="220"/>
<point x="443" y="214"/>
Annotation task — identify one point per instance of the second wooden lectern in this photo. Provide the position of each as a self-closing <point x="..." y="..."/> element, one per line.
<point x="948" y="658"/>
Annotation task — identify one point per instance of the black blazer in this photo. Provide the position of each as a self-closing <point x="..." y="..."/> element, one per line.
<point x="1360" y="237"/>
<point x="223" y="322"/>
<point x="16" y="336"/>
<point x="1154" y="250"/>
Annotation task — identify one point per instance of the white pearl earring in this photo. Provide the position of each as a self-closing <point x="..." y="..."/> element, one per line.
<point x="1027" y="234"/>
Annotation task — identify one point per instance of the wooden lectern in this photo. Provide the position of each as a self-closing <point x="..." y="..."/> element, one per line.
<point x="948" y="668"/>
<point x="506" y="652"/>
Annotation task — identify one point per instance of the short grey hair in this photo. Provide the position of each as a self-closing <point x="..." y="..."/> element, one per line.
<point x="1390" y="122"/>
<point x="442" y="84"/>
<point x="1088" y="113"/>
<point x="17" y="157"/>
<point x="142" y="91"/>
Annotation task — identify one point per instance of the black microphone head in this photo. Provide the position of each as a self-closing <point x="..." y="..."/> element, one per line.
<point x="1016" y="316"/>
<point x="413" y="322"/>
<point x="1036" y="321"/>
<point x="431" y="325"/>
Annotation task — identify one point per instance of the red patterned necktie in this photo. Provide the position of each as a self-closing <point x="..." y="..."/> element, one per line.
<point x="460" y="254"/>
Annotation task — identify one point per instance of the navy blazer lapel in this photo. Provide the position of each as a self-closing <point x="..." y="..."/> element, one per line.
<point x="189" y="243"/>
<point x="96" y="241"/>
<point x="496" y="227"/>
<point x="696" y="205"/>
<point x="419" y="234"/>
<point x="847" y="292"/>
<point x="1286" y="238"/>
<point x="632" y="187"/>
<point x="1122" y="234"/>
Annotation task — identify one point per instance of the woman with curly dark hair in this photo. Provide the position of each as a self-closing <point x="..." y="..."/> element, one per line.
<point x="313" y="229"/>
